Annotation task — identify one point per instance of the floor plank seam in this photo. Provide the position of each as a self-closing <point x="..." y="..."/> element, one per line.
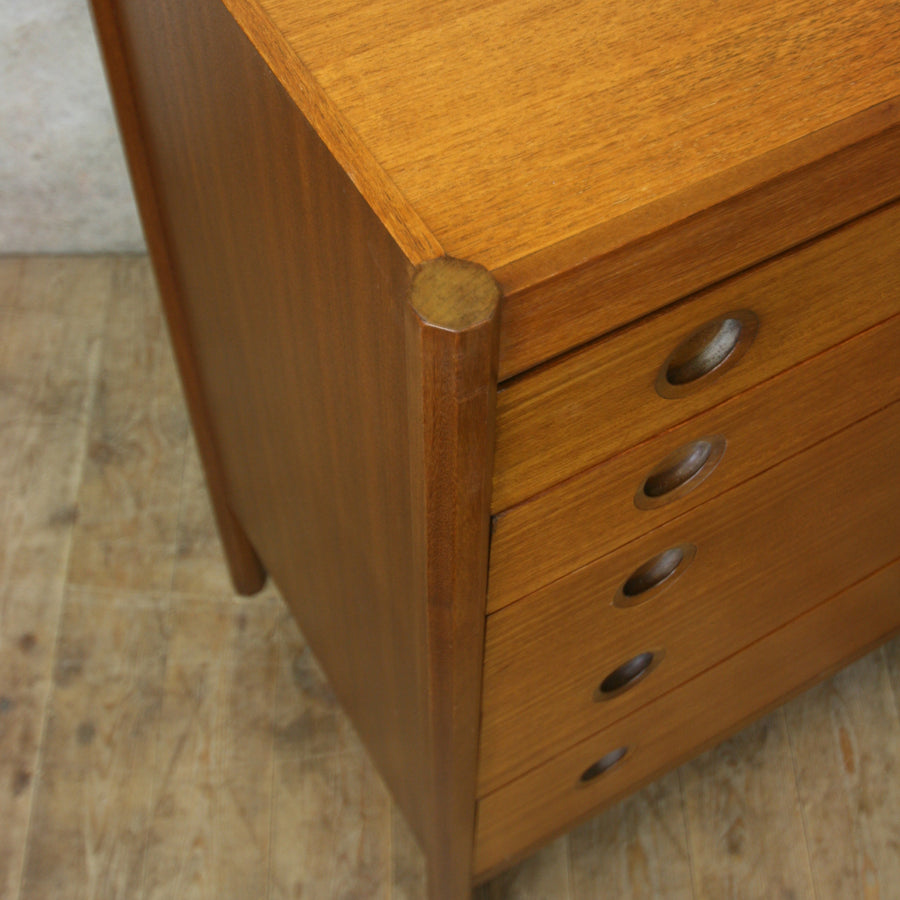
<point x="687" y="833"/>
<point x="568" y="869"/>
<point x="95" y="363"/>
<point x="803" y="817"/>
<point x="272" y="712"/>
<point x="154" y="795"/>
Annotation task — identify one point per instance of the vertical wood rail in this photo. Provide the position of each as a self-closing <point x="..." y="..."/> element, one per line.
<point x="247" y="573"/>
<point x="452" y="350"/>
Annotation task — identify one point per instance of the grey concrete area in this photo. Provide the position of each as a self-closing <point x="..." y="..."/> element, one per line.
<point x="63" y="183"/>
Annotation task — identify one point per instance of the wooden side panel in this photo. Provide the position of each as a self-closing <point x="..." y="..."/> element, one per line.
<point x="677" y="726"/>
<point x="293" y="300"/>
<point x="328" y="410"/>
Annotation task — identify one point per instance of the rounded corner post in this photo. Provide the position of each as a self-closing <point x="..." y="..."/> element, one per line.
<point x="452" y="352"/>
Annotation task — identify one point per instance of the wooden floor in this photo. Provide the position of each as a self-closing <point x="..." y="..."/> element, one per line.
<point x="160" y="738"/>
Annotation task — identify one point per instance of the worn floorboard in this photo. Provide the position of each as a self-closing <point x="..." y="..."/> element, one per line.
<point x="128" y="501"/>
<point x="744" y="825"/>
<point x="637" y="850"/>
<point x="52" y="315"/>
<point x="845" y="736"/>
<point x="161" y="738"/>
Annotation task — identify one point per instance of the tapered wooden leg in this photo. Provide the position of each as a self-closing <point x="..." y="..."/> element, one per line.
<point x="247" y="573"/>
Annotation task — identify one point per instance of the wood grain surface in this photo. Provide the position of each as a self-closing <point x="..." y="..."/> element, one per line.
<point x="398" y="215"/>
<point x="341" y="373"/>
<point x="677" y="725"/>
<point x="586" y="281"/>
<point x="452" y="328"/>
<point x="198" y="837"/>
<point x="331" y="814"/>
<point x="637" y="851"/>
<point x="545" y="874"/>
<point x="92" y="802"/>
<point x="137" y="443"/>
<point x="546" y="655"/>
<point x="593" y="513"/>
<point x="609" y="275"/>
<point x="563" y="417"/>
<point x="773" y="187"/>
<point x="535" y="179"/>
<point x="344" y="514"/>
<point x="52" y="318"/>
<point x="505" y="144"/>
<point x="859" y="787"/>
<point x="746" y="798"/>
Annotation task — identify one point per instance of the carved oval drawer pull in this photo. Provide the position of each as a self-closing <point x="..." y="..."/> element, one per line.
<point x="680" y="472"/>
<point x="711" y="349"/>
<point x="626" y="676"/>
<point x="603" y="765"/>
<point x="661" y="570"/>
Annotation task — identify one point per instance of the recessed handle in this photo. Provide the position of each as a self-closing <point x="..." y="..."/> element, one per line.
<point x="680" y="472"/>
<point x="603" y="765"/>
<point x="660" y="571"/>
<point x="711" y="350"/>
<point x="627" y="675"/>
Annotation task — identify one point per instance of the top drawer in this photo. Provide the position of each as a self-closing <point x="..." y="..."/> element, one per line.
<point x="568" y="415"/>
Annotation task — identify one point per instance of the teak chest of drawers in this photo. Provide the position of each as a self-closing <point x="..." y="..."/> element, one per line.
<point x="545" y="355"/>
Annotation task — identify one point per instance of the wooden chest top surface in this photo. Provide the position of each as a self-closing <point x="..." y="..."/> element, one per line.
<point x="508" y="127"/>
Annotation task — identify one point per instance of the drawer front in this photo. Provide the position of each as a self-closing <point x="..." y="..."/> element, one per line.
<point x="765" y="552"/>
<point x="574" y="413"/>
<point x="605" y="507"/>
<point x="552" y="797"/>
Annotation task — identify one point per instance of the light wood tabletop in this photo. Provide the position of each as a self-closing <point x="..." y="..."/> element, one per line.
<point x="510" y="126"/>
